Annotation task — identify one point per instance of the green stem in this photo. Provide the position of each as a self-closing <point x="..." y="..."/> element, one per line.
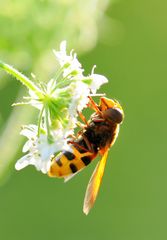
<point x="40" y="120"/>
<point x="22" y="78"/>
<point x="50" y="140"/>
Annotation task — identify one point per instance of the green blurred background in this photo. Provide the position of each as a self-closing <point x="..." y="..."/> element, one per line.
<point x="127" y="40"/>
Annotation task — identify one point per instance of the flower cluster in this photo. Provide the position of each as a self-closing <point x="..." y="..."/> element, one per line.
<point x="58" y="103"/>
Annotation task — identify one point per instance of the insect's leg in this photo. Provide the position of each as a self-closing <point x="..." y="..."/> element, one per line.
<point x="79" y="133"/>
<point x="103" y="102"/>
<point x="76" y="144"/>
<point x="72" y="136"/>
<point x="98" y="119"/>
<point x="80" y="125"/>
<point x="82" y="118"/>
<point x="89" y="145"/>
<point x="93" y="105"/>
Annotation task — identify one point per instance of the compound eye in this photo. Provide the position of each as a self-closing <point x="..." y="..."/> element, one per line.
<point x="114" y="115"/>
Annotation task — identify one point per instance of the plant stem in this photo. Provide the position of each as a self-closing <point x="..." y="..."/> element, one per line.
<point x="22" y="78"/>
<point x="50" y="140"/>
<point x="40" y="120"/>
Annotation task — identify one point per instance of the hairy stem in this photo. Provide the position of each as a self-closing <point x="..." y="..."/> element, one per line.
<point x="22" y="78"/>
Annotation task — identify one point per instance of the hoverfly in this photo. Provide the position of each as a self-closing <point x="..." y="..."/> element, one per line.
<point x="97" y="136"/>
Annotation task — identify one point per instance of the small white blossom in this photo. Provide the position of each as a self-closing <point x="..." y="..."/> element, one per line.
<point x="97" y="81"/>
<point x="39" y="149"/>
<point x="79" y="100"/>
<point x="71" y="65"/>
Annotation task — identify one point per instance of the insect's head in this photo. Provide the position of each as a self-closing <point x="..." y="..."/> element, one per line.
<point x="112" y="110"/>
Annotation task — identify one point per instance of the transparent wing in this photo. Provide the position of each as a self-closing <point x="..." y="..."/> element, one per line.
<point x="94" y="184"/>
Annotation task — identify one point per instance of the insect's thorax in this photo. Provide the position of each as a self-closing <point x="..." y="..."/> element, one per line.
<point x="101" y="134"/>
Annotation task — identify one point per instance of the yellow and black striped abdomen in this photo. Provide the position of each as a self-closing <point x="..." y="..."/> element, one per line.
<point x="70" y="162"/>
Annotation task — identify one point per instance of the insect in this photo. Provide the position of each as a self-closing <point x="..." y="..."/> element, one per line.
<point x="97" y="136"/>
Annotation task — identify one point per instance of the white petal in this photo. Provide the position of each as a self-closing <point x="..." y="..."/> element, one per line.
<point x="29" y="131"/>
<point x="61" y="55"/>
<point x="35" y="103"/>
<point x="23" y="162"/>
<point x="26" y="146"/>
<point x="63" y="45"/>
<point x="98" y="80"/>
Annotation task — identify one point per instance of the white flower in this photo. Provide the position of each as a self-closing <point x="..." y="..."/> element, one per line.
<point x="70" y="64"/>
<point x="80" y="97"/>
<point x="97" y="81"/>
<point x="39" y="149"/>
